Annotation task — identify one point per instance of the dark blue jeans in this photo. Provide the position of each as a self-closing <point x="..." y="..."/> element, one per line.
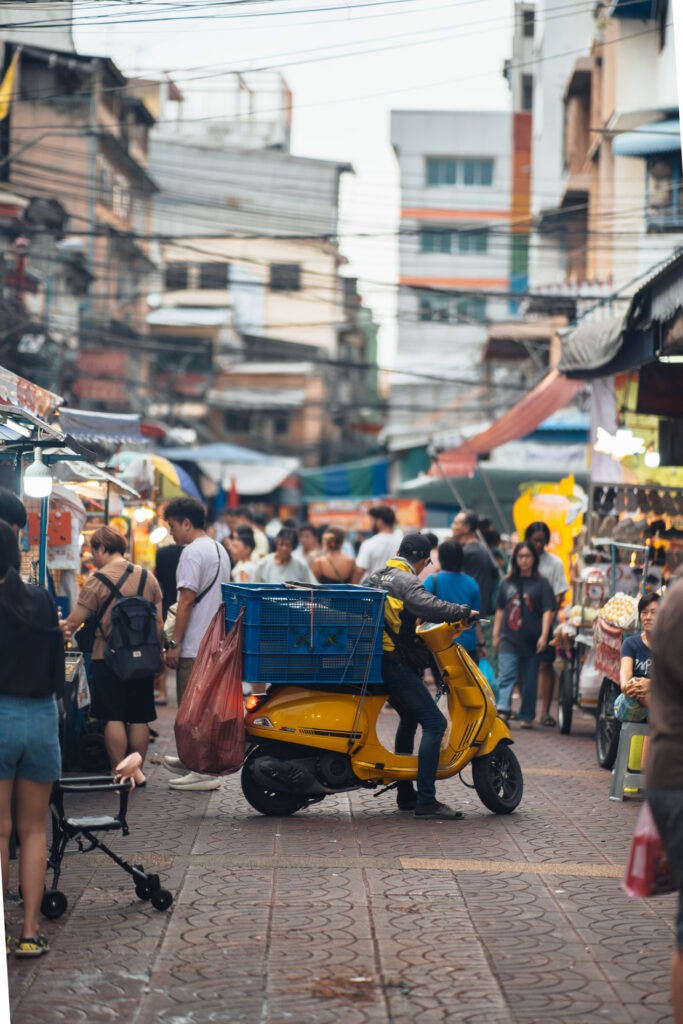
<point x="415" y="706"/>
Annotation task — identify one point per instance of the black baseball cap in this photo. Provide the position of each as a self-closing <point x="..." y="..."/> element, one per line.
<point x="415" y="545"/>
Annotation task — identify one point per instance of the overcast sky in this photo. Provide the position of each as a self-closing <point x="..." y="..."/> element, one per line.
<point x="348" y="64"/>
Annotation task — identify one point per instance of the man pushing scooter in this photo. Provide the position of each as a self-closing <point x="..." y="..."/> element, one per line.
<point x="404" y="659"/>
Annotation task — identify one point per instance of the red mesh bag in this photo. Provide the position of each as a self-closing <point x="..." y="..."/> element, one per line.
<point x="648" y="872"/>
<point x="209" y="726"/>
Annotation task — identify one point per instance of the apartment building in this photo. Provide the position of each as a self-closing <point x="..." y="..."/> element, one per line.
<point x="455" y="259"/>
<point x="74" y="136"/>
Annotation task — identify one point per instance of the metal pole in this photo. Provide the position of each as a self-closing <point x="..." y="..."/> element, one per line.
<point x="449" y="482"/>
<point x="494" y="499"/>
<point x="42" y="548"/>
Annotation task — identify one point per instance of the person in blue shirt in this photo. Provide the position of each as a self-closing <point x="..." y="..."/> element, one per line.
<point x="452" y="584"/>
<point x="636" y="654"/>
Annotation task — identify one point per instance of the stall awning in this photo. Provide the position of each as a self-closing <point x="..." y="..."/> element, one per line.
<point x="552" y="393"/>
<point x="660" y="137"/>
<point x="252" y="472"/>
<point x="362" y="478"/>
<point x="625" y="342"/>
<point x="101" y="427"/>
<point x="76" y="472"/>
<point x="25" y="396"/>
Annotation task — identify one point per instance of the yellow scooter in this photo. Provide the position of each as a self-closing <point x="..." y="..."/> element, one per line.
<point x="306" y="742"/>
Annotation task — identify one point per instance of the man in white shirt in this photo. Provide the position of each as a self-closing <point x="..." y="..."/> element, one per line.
<point x="283" y="566"/>
<point x="552" y="568"/>
<point x="204" y="565"/>
<point x="375" y="552"/>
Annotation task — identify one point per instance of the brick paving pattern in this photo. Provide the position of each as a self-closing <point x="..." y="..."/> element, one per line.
<point x="352" y="912"/>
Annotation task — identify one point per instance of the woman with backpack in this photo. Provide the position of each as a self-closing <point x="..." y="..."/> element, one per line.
<point x="31" y="678"/>
<point x="521" y="629"/>
<point x="123" y="603"/>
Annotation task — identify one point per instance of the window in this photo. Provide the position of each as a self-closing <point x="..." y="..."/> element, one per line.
<point x="434" y="307"/>
<point x="120" y="203"/>
<point x="237" y="421"/>
<point x="476" y="240"/>
<point x="527" y="92"/>
<point x="285" y="277"/>
<point x="175" y="277"/>
<point x="528" y="19"/>
<point x="477" y="172"/>
<point x="664" y="209"/>
<point x="281" y="423"/>
<point x="470" y="307"/>
<point x="439" y="307"/>
<point x="435" y="240"/>
<point x="214" y="275"/>
<point x="441" y="170"/>
<point x="105" y="182"/>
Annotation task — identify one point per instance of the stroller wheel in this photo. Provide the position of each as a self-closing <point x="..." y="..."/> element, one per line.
<point x="54" y="904"/>
<point x="161" y="899"/>
<point x="142" y="891"/>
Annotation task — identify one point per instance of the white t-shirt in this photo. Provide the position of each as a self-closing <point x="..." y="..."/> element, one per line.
<point x="375" y="552"/>
<point x="270" y="571"/>
<point x="552" y="568"/>
<point x="196" y="570"/>
<point x="246" y="569"/>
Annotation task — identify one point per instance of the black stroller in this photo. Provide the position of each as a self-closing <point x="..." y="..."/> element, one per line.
<point x="84" y="829"/>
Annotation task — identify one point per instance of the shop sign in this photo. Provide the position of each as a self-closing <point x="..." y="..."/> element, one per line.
<point x="352" y="516"/>
<point x="607" y="645"/>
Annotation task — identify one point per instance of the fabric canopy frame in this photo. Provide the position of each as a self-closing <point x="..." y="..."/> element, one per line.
<point x="552" y="393"/>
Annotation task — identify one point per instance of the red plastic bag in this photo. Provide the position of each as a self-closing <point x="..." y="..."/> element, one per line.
<point x="209" y="726"/>
<point x="648" y="872"/>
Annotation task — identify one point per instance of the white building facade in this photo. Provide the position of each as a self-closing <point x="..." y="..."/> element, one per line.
<point x="455" y="176"/>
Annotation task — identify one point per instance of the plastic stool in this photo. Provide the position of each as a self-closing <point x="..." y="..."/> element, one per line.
<point x="628" y="773"/>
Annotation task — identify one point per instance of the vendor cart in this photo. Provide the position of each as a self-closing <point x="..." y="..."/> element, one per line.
<point x="591" y="657"/>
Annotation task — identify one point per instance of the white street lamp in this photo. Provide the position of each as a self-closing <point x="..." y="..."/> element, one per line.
<point x="37" y="478"/>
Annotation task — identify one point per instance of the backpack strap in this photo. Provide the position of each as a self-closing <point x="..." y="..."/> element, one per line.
<point x="206" y="590"/>
<point x="115" y="589"/>
<point x="141" y="585"/>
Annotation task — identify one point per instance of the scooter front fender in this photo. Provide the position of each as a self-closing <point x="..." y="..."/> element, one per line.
<point x="500" y="733"/>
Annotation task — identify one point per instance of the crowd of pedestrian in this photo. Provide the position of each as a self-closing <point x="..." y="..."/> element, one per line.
<point x="459" y="578"/>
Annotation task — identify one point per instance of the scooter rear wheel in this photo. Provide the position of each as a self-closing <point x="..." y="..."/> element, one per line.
<point x="268" y="801"/>
<point x="498" y="780"/>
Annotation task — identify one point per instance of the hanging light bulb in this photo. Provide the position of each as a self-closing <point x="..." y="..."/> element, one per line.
<point x="37" y="478"/>
<point x="158" y="534"/>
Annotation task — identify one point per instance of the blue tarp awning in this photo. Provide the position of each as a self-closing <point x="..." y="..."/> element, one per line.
<point x="649" y="139"/>
<point x="363" y="478"/>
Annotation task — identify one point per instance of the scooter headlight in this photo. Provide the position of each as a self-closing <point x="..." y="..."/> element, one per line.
<point x="263" y="723"/>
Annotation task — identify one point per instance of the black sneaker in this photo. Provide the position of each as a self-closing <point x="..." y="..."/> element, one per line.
<point x="406" y="797"/>
<point x="439" y="811"/>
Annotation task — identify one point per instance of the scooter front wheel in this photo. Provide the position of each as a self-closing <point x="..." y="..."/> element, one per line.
<point x="268" y="801"/>
<point x="498" y="780"/>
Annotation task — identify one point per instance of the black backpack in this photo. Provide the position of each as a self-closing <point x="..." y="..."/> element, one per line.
<point x="133" y="650"/>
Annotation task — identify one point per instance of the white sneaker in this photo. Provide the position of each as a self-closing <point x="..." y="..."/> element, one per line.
<point x="174" y="764"/>
<point x="194" y="780"/>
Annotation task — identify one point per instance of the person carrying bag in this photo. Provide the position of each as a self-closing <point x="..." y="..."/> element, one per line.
<point x="126" y="651"/>
<point x="209" y="726"/>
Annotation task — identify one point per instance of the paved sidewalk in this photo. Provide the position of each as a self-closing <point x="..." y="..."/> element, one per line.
<point x="352" y="912"/>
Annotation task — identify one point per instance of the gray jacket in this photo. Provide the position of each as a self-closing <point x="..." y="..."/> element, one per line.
<point x="407" y="600"/>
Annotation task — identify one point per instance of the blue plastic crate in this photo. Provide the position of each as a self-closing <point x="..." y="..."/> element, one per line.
<point x="329" y="634"/>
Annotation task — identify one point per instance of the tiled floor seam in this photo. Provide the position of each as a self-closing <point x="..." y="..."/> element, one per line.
<point x="488" y="957"/>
